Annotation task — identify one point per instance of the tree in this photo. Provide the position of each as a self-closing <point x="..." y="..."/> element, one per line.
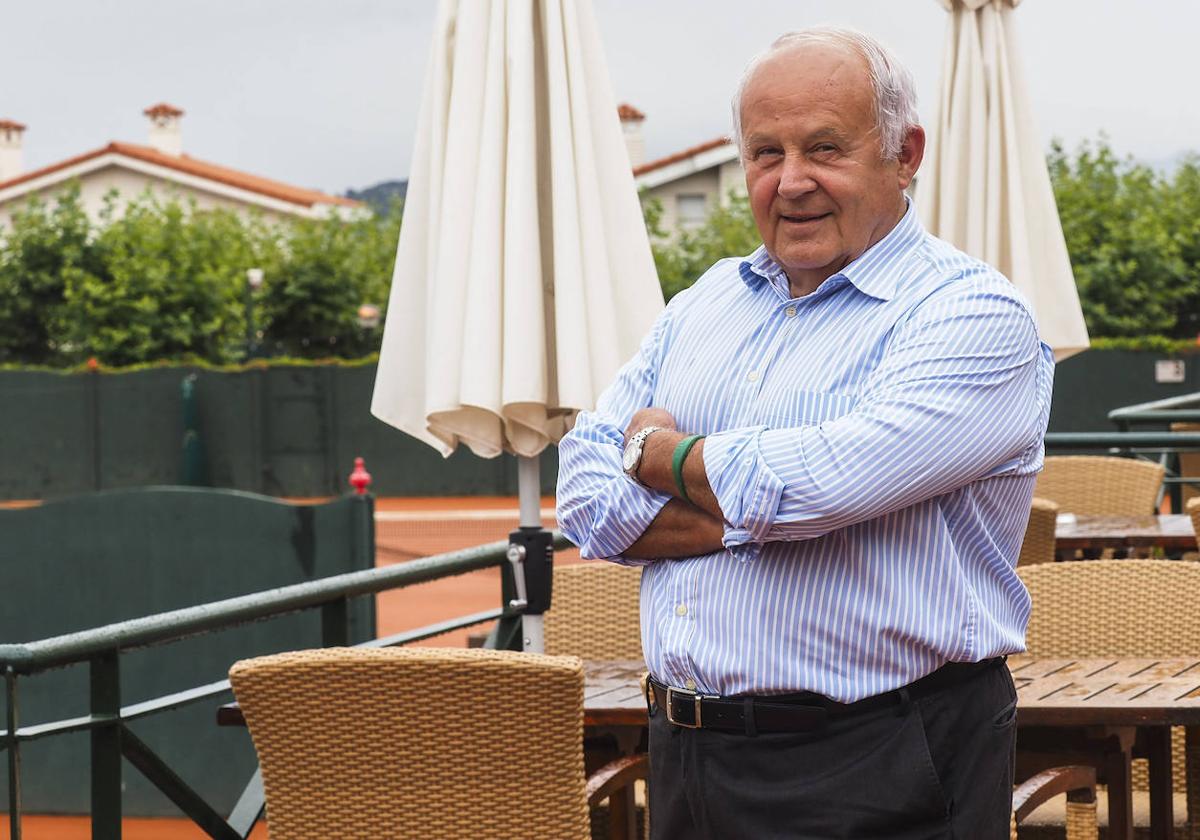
<point x="170" y="288"/>
<point x="729" y="230"/>
<point x="1182" y="214"/>
<point x="1126" y="239"/>
<point x="47" y="247"/>
<point x="158" y="279"/>
<point x="330" y="267"/>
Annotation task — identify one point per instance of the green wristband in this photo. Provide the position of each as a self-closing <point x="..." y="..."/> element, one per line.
<point x="681" y="452"/>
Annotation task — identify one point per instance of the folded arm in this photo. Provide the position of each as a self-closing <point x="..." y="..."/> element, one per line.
<point x="962" y="394"/>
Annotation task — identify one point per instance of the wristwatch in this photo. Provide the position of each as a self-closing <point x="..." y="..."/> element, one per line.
<point x="631" y="459"/>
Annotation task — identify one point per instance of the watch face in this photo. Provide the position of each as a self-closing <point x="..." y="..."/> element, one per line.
<point x="630" y="458"/>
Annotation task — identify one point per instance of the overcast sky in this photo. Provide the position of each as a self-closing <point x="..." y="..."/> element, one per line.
<point x="324" y="93"/>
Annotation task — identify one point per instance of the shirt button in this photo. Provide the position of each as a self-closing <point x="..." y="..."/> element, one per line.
<point x="790" y="312"/>
<point x="752" y="376"/>
<point x="690" y="685"/>
<point x="681" y="609"/>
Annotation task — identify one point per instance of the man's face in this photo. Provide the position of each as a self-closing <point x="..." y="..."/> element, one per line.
<point x="819" y="189"/>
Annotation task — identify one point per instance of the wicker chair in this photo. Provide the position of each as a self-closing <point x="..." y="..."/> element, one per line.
<point x="1146" y="608"/>
<point x="422" y="742"/>
<point x="1078" y="783"/>
<point x="1101" y="485"/>
<point x="594" y="614"/>
<point x="1038" y="545"/>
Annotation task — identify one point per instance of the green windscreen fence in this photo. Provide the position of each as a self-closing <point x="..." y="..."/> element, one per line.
<point x="87" y="561"/>
<point x="281" y="431"/>
<point x="295" y="430"/>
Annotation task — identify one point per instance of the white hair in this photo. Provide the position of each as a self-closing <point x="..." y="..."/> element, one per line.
<point x="891" y="82"/>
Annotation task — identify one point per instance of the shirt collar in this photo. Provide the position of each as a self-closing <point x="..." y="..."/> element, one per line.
<point x="871" y="273"/>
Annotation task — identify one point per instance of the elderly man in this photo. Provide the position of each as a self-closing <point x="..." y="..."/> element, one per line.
<point x="823" y="454"/>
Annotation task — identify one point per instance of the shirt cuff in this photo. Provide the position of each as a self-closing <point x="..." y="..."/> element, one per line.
<point x="746" y="488"/>
<point x="637" y="506"/>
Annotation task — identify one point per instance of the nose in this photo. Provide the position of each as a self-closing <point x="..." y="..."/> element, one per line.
<point x="796" y="178"/>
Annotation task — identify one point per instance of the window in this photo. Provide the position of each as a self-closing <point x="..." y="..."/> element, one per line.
<point x="691" y="209"/>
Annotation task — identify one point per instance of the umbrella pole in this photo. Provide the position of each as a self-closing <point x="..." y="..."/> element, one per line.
<point x="531" y="552"/>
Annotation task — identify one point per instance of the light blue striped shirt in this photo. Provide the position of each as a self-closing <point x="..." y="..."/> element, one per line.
<point x="873" y="446"/>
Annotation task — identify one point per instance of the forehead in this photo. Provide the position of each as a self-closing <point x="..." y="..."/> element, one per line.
<point x="806" y="82"/>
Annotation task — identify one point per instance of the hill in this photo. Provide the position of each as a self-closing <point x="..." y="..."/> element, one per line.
<point x="380" y="195"/>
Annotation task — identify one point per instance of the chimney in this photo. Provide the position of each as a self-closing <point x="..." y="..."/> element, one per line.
<point x="631" y="127"/>
<point x="165" y="134"/>
<point x="11" y="164"/>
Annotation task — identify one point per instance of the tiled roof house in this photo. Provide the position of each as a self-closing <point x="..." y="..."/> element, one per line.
<point x="160" y="166"/>
<point x="687" y="184"/>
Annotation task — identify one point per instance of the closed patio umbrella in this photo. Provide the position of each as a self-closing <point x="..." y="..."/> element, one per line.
<point x="523" y="275"/>
<point x="984" y="185"/>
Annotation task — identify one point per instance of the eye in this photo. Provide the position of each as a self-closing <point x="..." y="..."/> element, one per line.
<point x="825" y="149"/>
<point x="765" y="153"/>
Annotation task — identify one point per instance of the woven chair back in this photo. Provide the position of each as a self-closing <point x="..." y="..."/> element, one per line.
<point x="1097" y="608"/>
<point x="594" y="613"/>
<point x="417" y="742"/>
<point x="1038" y="545"/>
<point x="1100" y="485"/>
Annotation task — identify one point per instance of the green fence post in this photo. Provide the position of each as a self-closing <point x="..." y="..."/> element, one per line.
<point x="192" y="473"/>
<point x="362" y="548"/>
<point x="105" y="694"/>
<point x="93" y="399"/>
<point x="335" y="623"/>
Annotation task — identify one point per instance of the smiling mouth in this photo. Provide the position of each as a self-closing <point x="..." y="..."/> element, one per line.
<point x="802" y="218"/>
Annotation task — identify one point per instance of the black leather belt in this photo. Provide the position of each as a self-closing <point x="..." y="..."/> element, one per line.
<point x="801" y="712"/>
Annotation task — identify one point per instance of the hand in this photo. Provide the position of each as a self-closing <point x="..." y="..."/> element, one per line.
<point x="644" y="417"/>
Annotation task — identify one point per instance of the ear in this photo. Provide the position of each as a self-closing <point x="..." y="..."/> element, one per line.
<point x="912" y="150"/>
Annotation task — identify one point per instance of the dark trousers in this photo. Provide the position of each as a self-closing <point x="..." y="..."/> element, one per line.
<point x="938" y="766"/>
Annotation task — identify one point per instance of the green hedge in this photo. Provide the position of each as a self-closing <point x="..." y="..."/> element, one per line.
<point x="155" y="279"/>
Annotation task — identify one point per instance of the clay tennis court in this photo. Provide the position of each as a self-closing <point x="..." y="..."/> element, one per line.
<point x="405" y="529"/>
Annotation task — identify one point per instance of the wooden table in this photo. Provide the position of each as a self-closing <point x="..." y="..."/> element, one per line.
<point x="1172" y="532"/>
<point x="1086" y="711"/>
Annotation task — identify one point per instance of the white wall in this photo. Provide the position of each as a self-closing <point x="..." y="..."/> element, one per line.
<point x="731" y="177"/>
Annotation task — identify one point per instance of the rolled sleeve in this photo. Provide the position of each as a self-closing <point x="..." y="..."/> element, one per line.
<point x="599" y="508"/>
<point x="746" y="488"/>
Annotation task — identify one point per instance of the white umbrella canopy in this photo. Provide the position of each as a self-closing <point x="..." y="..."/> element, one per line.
<point x="984" y="185"/>
<point x="523" y="277"/>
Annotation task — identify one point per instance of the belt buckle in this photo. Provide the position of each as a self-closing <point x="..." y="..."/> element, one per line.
<point x="672" y="694"/>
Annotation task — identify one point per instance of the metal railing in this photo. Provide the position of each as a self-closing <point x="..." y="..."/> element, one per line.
<point x="1182" y="409"/>
<point x="101" y="649"/>
<point x="1160" y="445"/>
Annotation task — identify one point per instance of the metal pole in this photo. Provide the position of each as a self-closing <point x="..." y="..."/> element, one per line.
<point x="250" y="330"/>
<point x="529" y="491"/>
<point x="530" y="498"/>
<point x="14" y="756"/>
<point x="254" y="280"/>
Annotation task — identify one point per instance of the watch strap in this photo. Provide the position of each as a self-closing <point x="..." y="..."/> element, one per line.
<point x="637" y="443"/>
